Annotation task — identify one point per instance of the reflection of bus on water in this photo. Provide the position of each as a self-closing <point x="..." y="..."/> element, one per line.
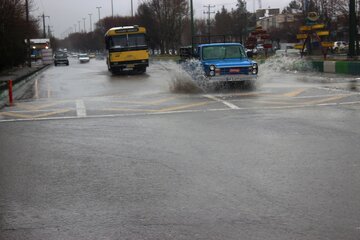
<point x="127" y="49"/>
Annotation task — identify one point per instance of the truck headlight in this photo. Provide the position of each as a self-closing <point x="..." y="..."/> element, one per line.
<point x="212" y="67"/>
<point x="212" y="73"/>
<point x="254" y="68"/>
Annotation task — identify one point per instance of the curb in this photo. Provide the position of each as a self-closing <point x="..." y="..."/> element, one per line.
<point x="21" y="85"/>
<point x="339" y="67"/>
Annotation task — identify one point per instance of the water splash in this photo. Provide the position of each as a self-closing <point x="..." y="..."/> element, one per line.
<point x="187" y="77"/>
<point x="287" y="64"/>
<point x="275" y="66"/>
<point x="181" y="82"/>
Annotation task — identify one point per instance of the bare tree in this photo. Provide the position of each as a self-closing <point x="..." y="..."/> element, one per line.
<point x="13" y="32"/>
<point x="168" y="19"/>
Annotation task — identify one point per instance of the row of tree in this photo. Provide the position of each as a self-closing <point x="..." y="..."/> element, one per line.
<point x="168" y="25"/>
<point x="14" y="29"/>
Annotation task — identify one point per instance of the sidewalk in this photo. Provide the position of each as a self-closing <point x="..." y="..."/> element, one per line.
<point x="20" y="77"/>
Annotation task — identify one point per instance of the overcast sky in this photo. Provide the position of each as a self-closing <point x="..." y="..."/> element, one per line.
<point x="65" y="14"/>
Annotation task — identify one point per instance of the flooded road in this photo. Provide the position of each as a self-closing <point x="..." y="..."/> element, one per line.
<point x="93" y="156"/>
<point x="89" y="90"/>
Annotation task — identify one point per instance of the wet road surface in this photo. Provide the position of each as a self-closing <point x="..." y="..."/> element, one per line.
<point x="95" y="156"/>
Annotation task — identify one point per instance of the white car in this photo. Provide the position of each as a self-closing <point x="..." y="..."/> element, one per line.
<point x="84" y="58"/>
<point x="290" y="52"/>
<point x="340" y="46"/>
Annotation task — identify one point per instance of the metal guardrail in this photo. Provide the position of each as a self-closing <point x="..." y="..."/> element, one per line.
<point x="11" y="83"/>
<point x="17" y="79"/>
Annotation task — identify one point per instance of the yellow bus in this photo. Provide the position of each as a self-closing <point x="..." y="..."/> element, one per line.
<point x="127" y="49"/>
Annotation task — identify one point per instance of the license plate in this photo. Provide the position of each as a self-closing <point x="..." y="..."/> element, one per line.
<point x="234" y="70"/>
<point x="130" y="65"/>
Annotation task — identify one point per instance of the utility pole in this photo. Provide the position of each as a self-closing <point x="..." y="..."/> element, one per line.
<point x="90" y="14"/>
<point x="209" y="18"/>
<point x="98" y="8"/>
<point x="192" y="26"/>
<point x="352" y="28"/>
<point x="28" y="50"/>
<point x="44" y="29"/>
<point x="49" y="31"/>
<point x="84" y="25"/>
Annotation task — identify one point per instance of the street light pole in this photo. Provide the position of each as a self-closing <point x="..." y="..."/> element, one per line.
<point x="28" y="51"/>
<point x="132" y="12"/>
<point x="98" y="8"/>
<point x="90" y="22"/>
<point x="84" y="25"/>
<point x="112" y="8"/>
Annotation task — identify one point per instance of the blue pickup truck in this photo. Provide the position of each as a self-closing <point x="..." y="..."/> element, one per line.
<point x="226" y="62"/>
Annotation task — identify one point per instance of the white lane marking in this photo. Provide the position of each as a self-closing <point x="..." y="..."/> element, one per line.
<point x="80" y="108"/>
<point x="338" y="90"/>
<point x="176" y="112"/>
<point x="230" y="105"/>
<point x="327" y="104"/>
<point x="321" y="96"/>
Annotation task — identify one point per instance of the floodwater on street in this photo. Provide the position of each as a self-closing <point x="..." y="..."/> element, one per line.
<point x="91" y="155"/>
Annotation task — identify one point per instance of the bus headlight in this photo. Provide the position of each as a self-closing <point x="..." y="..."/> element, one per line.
<point x="212" y="73"/>
<point x="212" y="67"/>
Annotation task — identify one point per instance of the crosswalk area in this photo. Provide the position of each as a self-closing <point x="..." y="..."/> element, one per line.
<point x="162" y="103"/>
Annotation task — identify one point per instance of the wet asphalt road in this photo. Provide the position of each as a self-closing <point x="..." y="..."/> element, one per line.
<point x="95" y="156"/>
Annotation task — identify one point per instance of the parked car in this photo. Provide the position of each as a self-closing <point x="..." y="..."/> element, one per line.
<point x="290" y="52"/>
<point x="84" y="58"/>
<point x="61" y="58"/>
<point x="340" y="46"/>
<point x="226" y="62"/>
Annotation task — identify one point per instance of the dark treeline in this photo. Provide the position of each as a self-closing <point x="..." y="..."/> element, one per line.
<point x="167" y="23"/>
<point x="13" y="32"/>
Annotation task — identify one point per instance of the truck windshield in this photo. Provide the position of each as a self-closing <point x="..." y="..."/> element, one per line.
<point x="126" y="41"/>
<point x="223" y="52"/>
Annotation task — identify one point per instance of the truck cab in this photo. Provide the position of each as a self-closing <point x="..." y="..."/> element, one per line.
<point x="226" y="62"/>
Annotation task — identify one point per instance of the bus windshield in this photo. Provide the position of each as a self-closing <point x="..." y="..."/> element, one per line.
<point x="128" y="40"/>
<point x="223" y="52"/>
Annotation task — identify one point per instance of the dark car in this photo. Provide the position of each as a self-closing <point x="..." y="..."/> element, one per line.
<point x="61" y="58"/>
